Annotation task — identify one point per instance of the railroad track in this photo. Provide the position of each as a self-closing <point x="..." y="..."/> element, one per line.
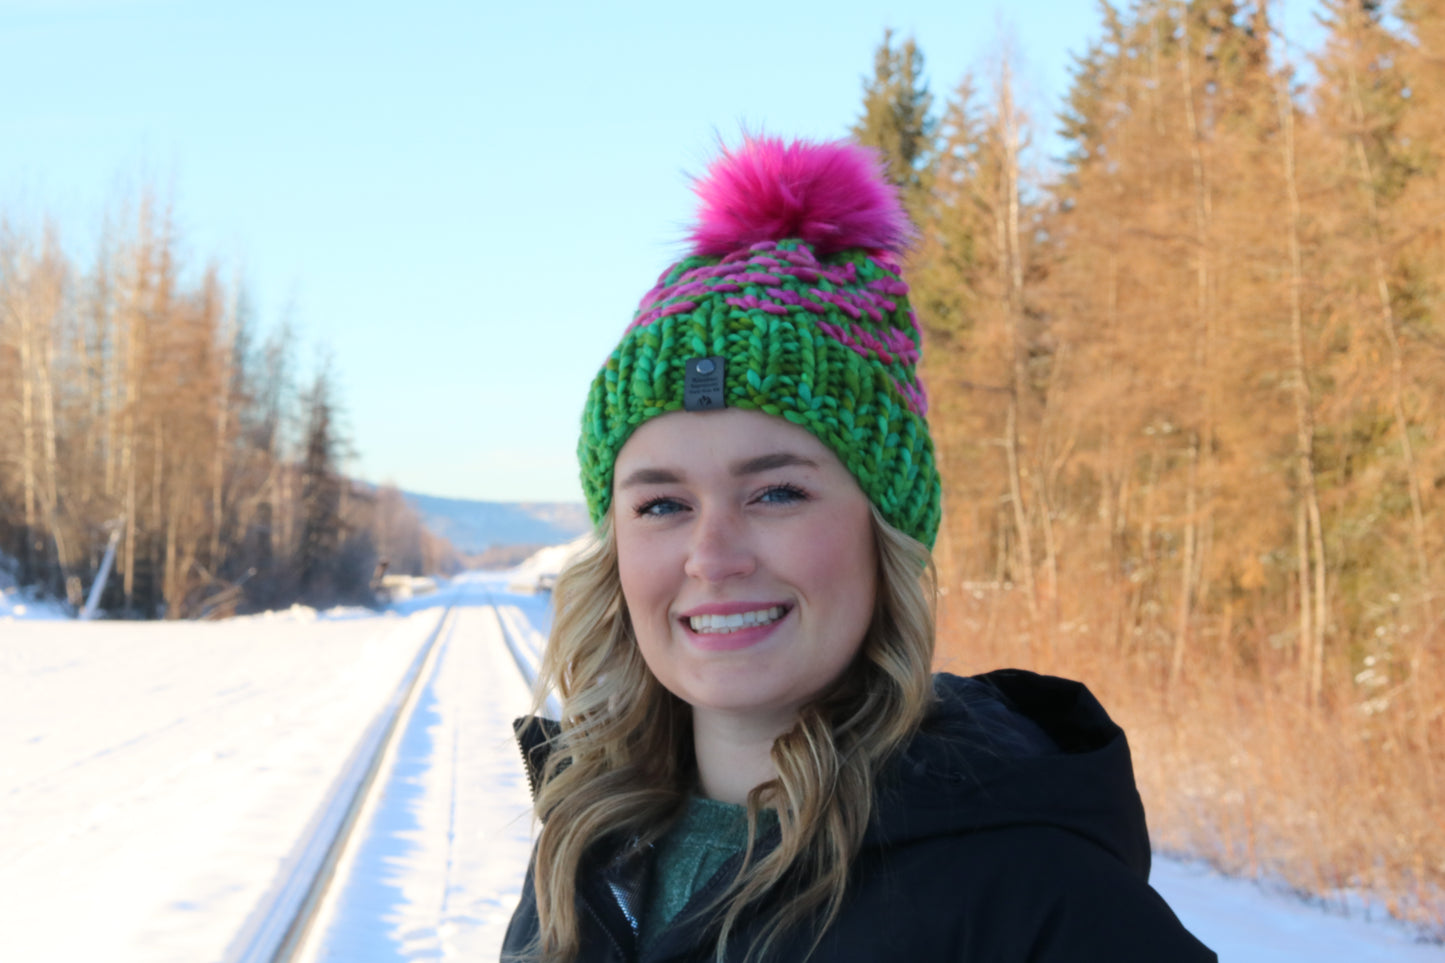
<point x="282" y="928"/>
<point x="527" y="656"/>
<point x="277" y="931"/>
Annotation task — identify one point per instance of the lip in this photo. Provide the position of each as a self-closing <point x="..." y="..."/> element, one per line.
<point x="743" y="638"/>
<point x="731" y="608"/>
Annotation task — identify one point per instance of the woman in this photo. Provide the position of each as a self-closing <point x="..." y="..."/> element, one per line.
<point x="755" y="762"/>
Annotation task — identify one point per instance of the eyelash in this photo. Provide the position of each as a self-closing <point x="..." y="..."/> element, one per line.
<point x="794" y="494"/>
<point x="646" y="507"/>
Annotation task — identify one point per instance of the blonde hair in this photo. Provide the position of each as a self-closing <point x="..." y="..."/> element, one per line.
<point x="621" y="766"/>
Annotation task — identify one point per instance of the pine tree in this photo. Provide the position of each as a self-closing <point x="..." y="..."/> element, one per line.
<point x="972" y="274"/>
<point x="1385" y="376"/>
<point x="321" y="492"/>
<point x="1091" y="105"/>
<point x="898" y="121"/>
<point x="951" y="232"/>
<point x="1169" y="121"/>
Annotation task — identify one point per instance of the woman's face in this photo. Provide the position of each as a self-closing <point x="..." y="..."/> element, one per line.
<point x="747" y="559"/>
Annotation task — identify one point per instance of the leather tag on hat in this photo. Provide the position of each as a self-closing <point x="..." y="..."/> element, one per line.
<point x="702" y="385"/>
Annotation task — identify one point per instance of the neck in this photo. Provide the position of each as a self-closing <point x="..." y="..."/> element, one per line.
<point x="734" y="752"/>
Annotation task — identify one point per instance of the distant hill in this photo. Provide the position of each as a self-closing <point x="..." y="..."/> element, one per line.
<point x="476" y="527"/>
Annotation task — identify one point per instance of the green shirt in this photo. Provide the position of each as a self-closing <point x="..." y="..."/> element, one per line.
<point x="708" y="834"/>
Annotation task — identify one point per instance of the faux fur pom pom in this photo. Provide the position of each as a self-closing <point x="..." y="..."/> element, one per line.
<point x="833" y="195"/>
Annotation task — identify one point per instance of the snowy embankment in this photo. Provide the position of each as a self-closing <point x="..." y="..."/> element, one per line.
<point x="155" y="779"/>
<point x="156" y="776"/>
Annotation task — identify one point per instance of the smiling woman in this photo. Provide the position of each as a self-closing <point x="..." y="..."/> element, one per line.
<point x="749" y="577"/>
<point x="754" y="761"/>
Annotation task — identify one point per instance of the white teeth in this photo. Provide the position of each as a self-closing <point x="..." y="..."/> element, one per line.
<point x="731" y="623"/>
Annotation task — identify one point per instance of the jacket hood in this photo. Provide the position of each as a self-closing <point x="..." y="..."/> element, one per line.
<point x="1013" y="749"/>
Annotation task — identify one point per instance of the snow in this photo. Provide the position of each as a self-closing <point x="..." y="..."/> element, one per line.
<point x="17" y="603"/>
<point x="541" y="569"/>
<point x="1248" y="922"/>
<point x="156" y="780"/>
<point x="157" y="776"/>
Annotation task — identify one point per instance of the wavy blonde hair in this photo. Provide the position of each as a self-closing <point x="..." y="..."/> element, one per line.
<point x="622" y="764"/>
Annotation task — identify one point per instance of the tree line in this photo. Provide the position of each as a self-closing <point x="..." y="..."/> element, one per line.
<point x="1188" y="380"/>
<point x="141" y="407"/>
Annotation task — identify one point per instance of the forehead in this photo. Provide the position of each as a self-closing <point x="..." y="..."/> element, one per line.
<point x="717" y="439"/>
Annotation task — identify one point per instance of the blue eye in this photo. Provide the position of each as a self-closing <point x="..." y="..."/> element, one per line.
<point x="657" y="507"/>
<point x="783" y="495"/>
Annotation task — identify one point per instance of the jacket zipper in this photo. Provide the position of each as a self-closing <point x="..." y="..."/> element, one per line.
<point x="530" y="734"/>
<point x="611" y="937"/>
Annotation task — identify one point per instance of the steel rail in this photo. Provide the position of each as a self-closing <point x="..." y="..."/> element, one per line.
<point x="526" y="666"/>
<point x="277" y="931"/>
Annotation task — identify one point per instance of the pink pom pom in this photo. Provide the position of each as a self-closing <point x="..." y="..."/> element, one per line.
<point x="832" y="195"/>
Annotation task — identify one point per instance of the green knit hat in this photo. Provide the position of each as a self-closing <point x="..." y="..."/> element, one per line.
<point x="792" y="303"/>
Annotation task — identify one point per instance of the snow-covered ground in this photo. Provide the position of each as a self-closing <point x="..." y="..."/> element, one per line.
<point x="1245" y="922"/>
<point x="155" y="779"/>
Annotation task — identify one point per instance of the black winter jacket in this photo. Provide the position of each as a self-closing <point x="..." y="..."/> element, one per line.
<point x="1010" y="830"/>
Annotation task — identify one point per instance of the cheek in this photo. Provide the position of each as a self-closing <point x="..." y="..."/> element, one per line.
<point x="649" y="584"/>
<point x="841" y="560"/>
<point x="642" y="568"/>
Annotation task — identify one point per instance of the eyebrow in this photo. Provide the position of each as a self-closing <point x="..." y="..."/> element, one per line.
<point x="779" y="459"/>
<point x="751" y="466"/>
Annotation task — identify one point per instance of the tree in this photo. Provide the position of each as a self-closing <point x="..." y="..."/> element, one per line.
<point x="32" y="291"/>
<point x="321" y="493"/>
<point x="135" y="394"/>
<point x="1380" y="164"/>
<point x="897" y="119"/>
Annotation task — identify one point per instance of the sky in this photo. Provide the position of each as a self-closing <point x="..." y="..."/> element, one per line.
<point x="459" y="203"/>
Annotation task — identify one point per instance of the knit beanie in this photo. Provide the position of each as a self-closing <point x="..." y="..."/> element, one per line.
<point x="792" y="303"/>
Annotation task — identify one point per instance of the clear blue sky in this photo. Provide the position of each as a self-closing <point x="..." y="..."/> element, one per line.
<point x="464" y="201"/>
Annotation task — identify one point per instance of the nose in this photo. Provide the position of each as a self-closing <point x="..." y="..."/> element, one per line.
<point x="720" y="548"/>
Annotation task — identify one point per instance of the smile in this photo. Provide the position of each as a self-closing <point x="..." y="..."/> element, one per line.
<point x="722" y="624"/>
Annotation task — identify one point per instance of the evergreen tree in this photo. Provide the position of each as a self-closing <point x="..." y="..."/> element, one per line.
<point x="1091" y="104"/>
<point x="946" y="261"/>
<point x="897" y="119"/>
<point x="1361" y="105"/>
<point x="321" y="490"/>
